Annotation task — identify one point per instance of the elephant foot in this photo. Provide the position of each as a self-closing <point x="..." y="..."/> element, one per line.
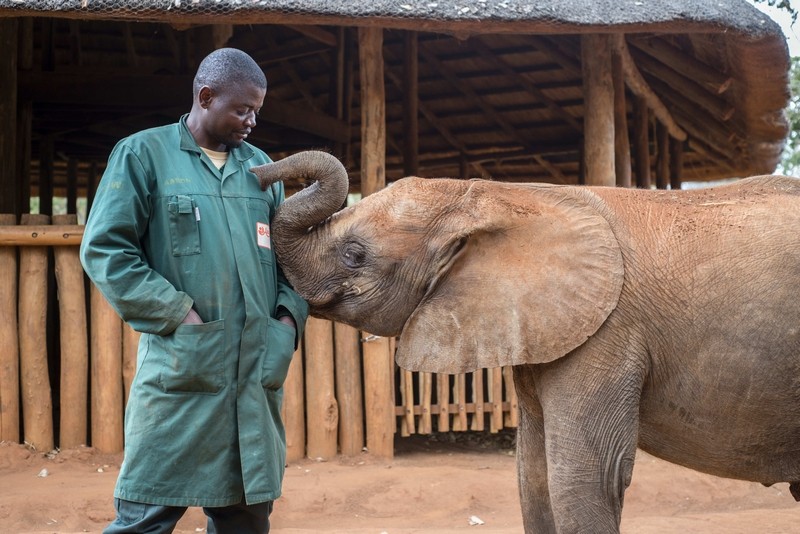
<point x="794" y="489"/>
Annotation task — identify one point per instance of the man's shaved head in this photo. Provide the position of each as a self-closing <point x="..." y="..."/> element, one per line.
<point x="226" y="65"/>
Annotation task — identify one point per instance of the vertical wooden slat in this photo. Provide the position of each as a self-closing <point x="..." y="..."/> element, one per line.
<point x="9" y="340"/>
<point x="106" y="375"/>
<point x="378" y="361"/>
<point x="37" y="406"/>
<point x="512" y="416"/>
<point x="321" y="408"/>
<point x="293" y="409"/>
<point x="74" y="342"/>
<point x="426" y="392"/>
<point x="477" y="396"/>
<point x="347" y="354"/>
<point x="460" y="397"/>
<point x="130" y="348"/>
<point x="662" y="156"/>
<point x="598" y="106"/>
<point x="408" y="401"/>
<point x="496" y="398"/>
<point x="443" y="399"/>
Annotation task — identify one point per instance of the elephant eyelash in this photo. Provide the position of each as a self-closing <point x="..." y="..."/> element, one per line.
<point x="353" y="256"/>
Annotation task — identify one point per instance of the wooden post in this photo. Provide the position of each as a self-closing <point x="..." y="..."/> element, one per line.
<point x="347" y="354"/>
<point x="496" y="398"/>
<point x="512" y="416"/>
<point x="407" y="426"/>
<point x="410" y="104"/>
<point x="74" y="343"/>
<point x="293" y="409"/>
<point x="641" y="143"/>
<point x="378" y="359"/>
<point x="477" y="397"/>
<point x="460" y="397"/>
<point x="675" y="163"/>
<point x="443" y="396"/>
<point x="598" y="90"/>
<point x="72" y="185"/>
<point x="425" y="394"/>
<point x="9" y="183"/>
<point x="37" y="406"/>
<point x="662" y="156"/>
<point x="9" y="341"/>
<point x="130" y="349"/>
<point x="321" y="408"/>
<point x="622" y="147"/>
<point x="106" y="375"/>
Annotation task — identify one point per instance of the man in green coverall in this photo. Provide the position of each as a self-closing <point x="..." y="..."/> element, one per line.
<point x="178" y="241"/>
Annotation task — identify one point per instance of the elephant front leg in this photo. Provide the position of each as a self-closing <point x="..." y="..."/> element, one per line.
<point x="537" y="516"/>
<point x="591" y="429"/>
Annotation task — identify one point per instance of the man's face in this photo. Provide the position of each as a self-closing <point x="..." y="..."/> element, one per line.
<point x="230" y="115"/>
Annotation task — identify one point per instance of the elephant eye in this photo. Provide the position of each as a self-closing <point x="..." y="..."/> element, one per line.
<point x="353" y="255"/>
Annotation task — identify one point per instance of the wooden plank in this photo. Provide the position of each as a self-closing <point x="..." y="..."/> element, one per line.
<point x="293" y="408"/>
<point x="460" y="396"/>
<point x="347" y="355"/>
<point x="477" y="397"/>
<point x="378" y="359"/>
<point x="426" y="393"/>
<point x="598" y="106"/>
<point x="443" y="401"/>
<point x="74" y="396"/>
<point x="37" y="406"/>
<point x="106" y="375"/>
<point x="641" y="143"/>
<point x="662" y="156"/>
<point x="408" y="401"/>
<point x="496" y="399"/>
<point x="9" y="341"/>
<point x="675" y="163"/>
<point x="322" y="428"/>
<point x="512" y="415"/>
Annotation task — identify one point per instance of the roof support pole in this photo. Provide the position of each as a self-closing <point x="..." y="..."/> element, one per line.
<point x="378" y="358"/>
<point x="598" y="98"/>
<point x="9" y="29"/>
<point x="622" y="147"/>
<point x="410" y="105"/>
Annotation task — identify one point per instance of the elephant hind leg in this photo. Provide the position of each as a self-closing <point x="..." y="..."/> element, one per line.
<point x="794" y="488"/>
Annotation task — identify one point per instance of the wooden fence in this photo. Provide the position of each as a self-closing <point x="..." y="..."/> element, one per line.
<point x="67" y="362"/>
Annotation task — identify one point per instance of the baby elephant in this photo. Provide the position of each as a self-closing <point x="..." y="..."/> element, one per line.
<point x="667" y="320"/>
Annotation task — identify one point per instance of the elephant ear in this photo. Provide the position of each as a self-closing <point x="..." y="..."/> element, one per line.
<point x="538" y="273"/>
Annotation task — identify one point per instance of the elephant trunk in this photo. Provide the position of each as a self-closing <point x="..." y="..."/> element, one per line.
<point x="305" y="209"/>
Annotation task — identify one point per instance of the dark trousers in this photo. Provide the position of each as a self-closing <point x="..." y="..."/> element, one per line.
<point x="140" y="518"/>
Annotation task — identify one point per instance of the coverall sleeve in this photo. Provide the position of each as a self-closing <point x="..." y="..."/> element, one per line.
<point x="112" y="255"/>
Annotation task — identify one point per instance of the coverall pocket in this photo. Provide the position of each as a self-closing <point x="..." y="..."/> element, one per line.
<point x="192" y="358"/>
<point x="184" y="230"/>
<point x="277" y="354"/>
<point x="259" y="211"/>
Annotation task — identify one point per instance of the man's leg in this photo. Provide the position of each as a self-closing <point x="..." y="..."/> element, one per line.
<point x="240" y="518"/>
<point x="141" y="518"/>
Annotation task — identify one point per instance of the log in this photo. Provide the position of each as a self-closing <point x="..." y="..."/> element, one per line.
<point x="425" y="393"/>
<point x="378" y="360"/>
<point x="410" y="105"/>
<point x="496" y="398"/>
<point x="407" y="426"/>
<point x="74" y="343"/>
<point x="293" y="409"/>
<point x="662" y="157"/>
<point x="460" y="397"/>
<point x="347" y="355"/>
<point x="443" y="397"/>
<point x="622" y="147"/>
<point x="641" y="143"/>
<point x="37" y="405"/>
<point x="676" y="163"/>
<point x="106" y="375"/>
<point x="9" y="341"/>
<point x="512" y="415"/>
<point x="598" y="110"/>
<point x="322" y="424"/>
<point x="477" y="397"/>
<point x="41" y="235"/>
<point x="130" y="349"/>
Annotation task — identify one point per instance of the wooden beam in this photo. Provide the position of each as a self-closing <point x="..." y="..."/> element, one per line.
<point x="662" y="156"/>
<point x="675" y="163"/>
<point x="639" y="87"/>
<point x="46" y="157"/>
<point x="410" y="104"/>
<point x="598" y="114"/>
<point x="378" y="359"/>
<point x="317" y="33"/>
<point x="497" y="62"/>
<point x="9" y="181"/>
<point x="672" y="56"/>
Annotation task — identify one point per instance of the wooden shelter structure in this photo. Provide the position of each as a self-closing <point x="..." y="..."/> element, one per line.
<point x="645" y="93"/>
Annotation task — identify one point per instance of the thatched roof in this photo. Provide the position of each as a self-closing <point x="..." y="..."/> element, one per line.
<point x="500" y="86"/>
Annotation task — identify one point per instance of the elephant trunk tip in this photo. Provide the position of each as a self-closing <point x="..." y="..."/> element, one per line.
<point x="310" y="164"/>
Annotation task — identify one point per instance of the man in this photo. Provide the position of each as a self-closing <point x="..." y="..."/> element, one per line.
<point x="178" y="242"/>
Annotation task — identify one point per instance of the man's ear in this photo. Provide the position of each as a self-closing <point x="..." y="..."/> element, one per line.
<point x="205" y="96"/>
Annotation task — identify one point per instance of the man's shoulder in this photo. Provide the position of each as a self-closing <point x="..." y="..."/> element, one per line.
<point x="151" y="133"/>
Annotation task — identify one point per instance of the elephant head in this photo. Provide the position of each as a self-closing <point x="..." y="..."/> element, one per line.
<point x="469" y="273"/>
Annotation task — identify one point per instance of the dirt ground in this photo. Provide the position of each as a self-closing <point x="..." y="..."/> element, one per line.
<point x="439" y="484"/>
